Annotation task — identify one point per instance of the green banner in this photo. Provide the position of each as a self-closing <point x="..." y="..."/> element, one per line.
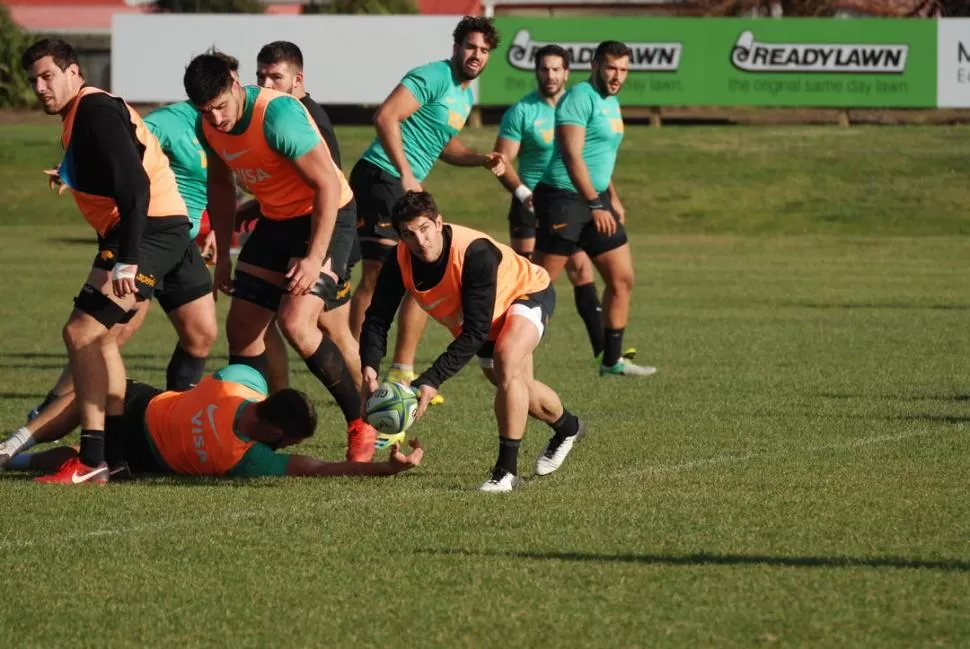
<point x="733" y="62"/>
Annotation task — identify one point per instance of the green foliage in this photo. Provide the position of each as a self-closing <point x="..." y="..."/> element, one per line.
<point x="209" y="6"/>
<point x="14" y="88"/>
<point x="375" y="7"/>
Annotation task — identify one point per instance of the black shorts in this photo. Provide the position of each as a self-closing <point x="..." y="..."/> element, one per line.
<point x="273" y="243"/>
<point x="565" y="224"/>
<point x="170" y="266"/>
<point x="132" y="442"/>
<point x="376" y="192"/>
<point x="522" y="221"/>
<point x="544" y="301"/>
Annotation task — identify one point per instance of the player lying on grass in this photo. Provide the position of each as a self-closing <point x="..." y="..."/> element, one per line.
<point x="495" y="303"/>
<point x="227" y="425"/>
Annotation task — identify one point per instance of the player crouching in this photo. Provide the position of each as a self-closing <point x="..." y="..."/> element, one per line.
<point x="495" y="303"/>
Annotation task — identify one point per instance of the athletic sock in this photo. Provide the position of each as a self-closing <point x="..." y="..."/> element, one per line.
<point x="508" y="455"/>
<point x="566" y="426"/>
<point x="184" y="370"/>
<point x="114" y="440"/>
<point x="328" y="365"/>
<point x="92" y="447"/>
<point x="591" y="311"/>
<point x="258" y="363"/>
<point x="612" y="347"/>
<point x="20" y="441"/>
<point x="402" y="367"/>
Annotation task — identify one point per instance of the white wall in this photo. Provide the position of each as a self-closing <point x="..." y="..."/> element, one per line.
<point x="347" y="59"/>
<point x="953" y="63"/>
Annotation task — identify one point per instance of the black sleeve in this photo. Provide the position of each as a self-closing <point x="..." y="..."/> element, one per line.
<point x="479" y="280"/>
<point x="111" y="149"/>
<point x="325" y="126"/>
<point x="388" y="294"/>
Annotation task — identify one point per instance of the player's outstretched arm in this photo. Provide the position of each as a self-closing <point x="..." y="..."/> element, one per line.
<point x="303" y="466"/>
<point x="457" y="154"/>
<point x="317" y="170"/>
<point x="398" y="106"/>
<point x="509" y="149"/>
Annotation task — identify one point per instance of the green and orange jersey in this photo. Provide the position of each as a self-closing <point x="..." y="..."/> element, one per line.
<point x="275" y="129"/>
<point x="194" y="432"/>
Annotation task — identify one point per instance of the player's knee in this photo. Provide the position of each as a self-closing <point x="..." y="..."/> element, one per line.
<point x="297" y="329"/>
<point x="78" y="333"/>
<point x="508" y="366"/>
<point x="621" y="283"/>
<point x="580" y="273"/>
<point x="199" y="336"/>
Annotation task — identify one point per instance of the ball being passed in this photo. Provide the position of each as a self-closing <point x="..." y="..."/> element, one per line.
<point x="391" y="411"/>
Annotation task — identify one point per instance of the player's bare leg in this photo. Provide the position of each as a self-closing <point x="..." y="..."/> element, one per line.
<point x="554" y="264"/>
<point x="335" y="324"/>
<point x="277" y="360"/>
<point x="298" y="318"/>
<point x="616" y="268"/>
<point x="196" y="325"/>
<point x="363" y="294"/>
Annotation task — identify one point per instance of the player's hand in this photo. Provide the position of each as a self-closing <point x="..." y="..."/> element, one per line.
<point x="209" y="248"/>
<point x="303" y="274"/>
<point x="54" y="180"/>
<point x="618" y="210"/>
<point x="605" y="222"/>
<point x="401" y="462"/>
<point x="222" y="281"/>
<point x="529" y="205"/>
<point x="496" y="162"/>
<point x="123" y="279"/>
<point x="410" y="184"/>
<point x="425" y="394"/>
<point x="368" y="386"/>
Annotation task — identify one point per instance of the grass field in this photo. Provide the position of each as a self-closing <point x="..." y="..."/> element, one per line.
<point x="794" y="476"/>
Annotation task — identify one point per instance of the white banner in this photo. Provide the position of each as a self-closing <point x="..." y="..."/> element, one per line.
<point x="953" y="63"/>
<point x="347" y="59"/>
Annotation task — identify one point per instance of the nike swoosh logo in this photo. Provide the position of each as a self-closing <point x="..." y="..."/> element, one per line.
<point x="210" y="412"/>
<point x="78" y="479"/>
<point x="558" y="226"/>
<point x="229" y="157"/>
<point x="433" y="305"/>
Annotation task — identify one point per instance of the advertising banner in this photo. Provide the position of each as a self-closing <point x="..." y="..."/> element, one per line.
<point x="953" y="68"/>
<point x="733" y="62"/>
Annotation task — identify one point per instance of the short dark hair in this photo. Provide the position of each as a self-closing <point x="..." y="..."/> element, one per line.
<point x="552" y="50"/>
<point x="231" y="60"/>
<point x="411" y="206"/>
<point x="290" y="410"/>
<point x="280" y="52"/>
<point x="482" y="25"/>
<point x="61" y="51"/>
<point x="610" y="48"/>
<point x="206" y="77"/>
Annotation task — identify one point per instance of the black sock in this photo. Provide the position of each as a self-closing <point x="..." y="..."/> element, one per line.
<point x="508" y="455"/>
<point x="327" y="364"/>
<point x="258" y="363"/>
<point x="567" y="425"/>
<point x="591" y="311"/>
<point x="114" y="440"/>
<point x="184" y="370"/>
<point x="613" y="346"/>
<point x="92" y="447"/>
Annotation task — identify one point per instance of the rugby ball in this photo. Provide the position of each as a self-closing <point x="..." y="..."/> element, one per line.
<point x="391" y="411"/>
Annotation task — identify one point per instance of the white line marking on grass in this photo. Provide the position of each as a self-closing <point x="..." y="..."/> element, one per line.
<point x="737" y="459"/>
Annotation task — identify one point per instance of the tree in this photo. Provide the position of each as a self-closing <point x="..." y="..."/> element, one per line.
<point x="209" y="6"/>
<point x="378" y="7"/>
<point x="15" y="89"/>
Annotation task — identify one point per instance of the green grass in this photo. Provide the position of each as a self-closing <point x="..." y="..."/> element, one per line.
<point x="794" y="476"/>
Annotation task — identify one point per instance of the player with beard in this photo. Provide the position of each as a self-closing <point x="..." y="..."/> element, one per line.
<point x="417" y="123"/>
<point x="527" y="132"/>
<point x="576" y="203"/>
<point x="279" y="66"/>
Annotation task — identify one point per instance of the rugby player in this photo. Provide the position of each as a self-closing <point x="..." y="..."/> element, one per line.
<point x="124" y="187"/>
<point x="495" y="303"/>
<point x="228" y="425"/>
<point x="279" y="66"/>
<point x="417" y="123"/>
<point x="527" y="131"/>
<point x="576" y="203"/>
<point x="292" y="264"/>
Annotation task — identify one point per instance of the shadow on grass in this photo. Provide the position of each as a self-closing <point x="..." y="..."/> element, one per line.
<point x="950" y="565"/>
<point x="73" y="241"/>
<point x="896" y="397"/>
<point x="877" y="305"/>
<point x="62" y="354"/>
<point x="22" y="395"/>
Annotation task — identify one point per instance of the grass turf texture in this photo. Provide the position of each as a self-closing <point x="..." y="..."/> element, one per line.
<point x="795" y="475"/>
